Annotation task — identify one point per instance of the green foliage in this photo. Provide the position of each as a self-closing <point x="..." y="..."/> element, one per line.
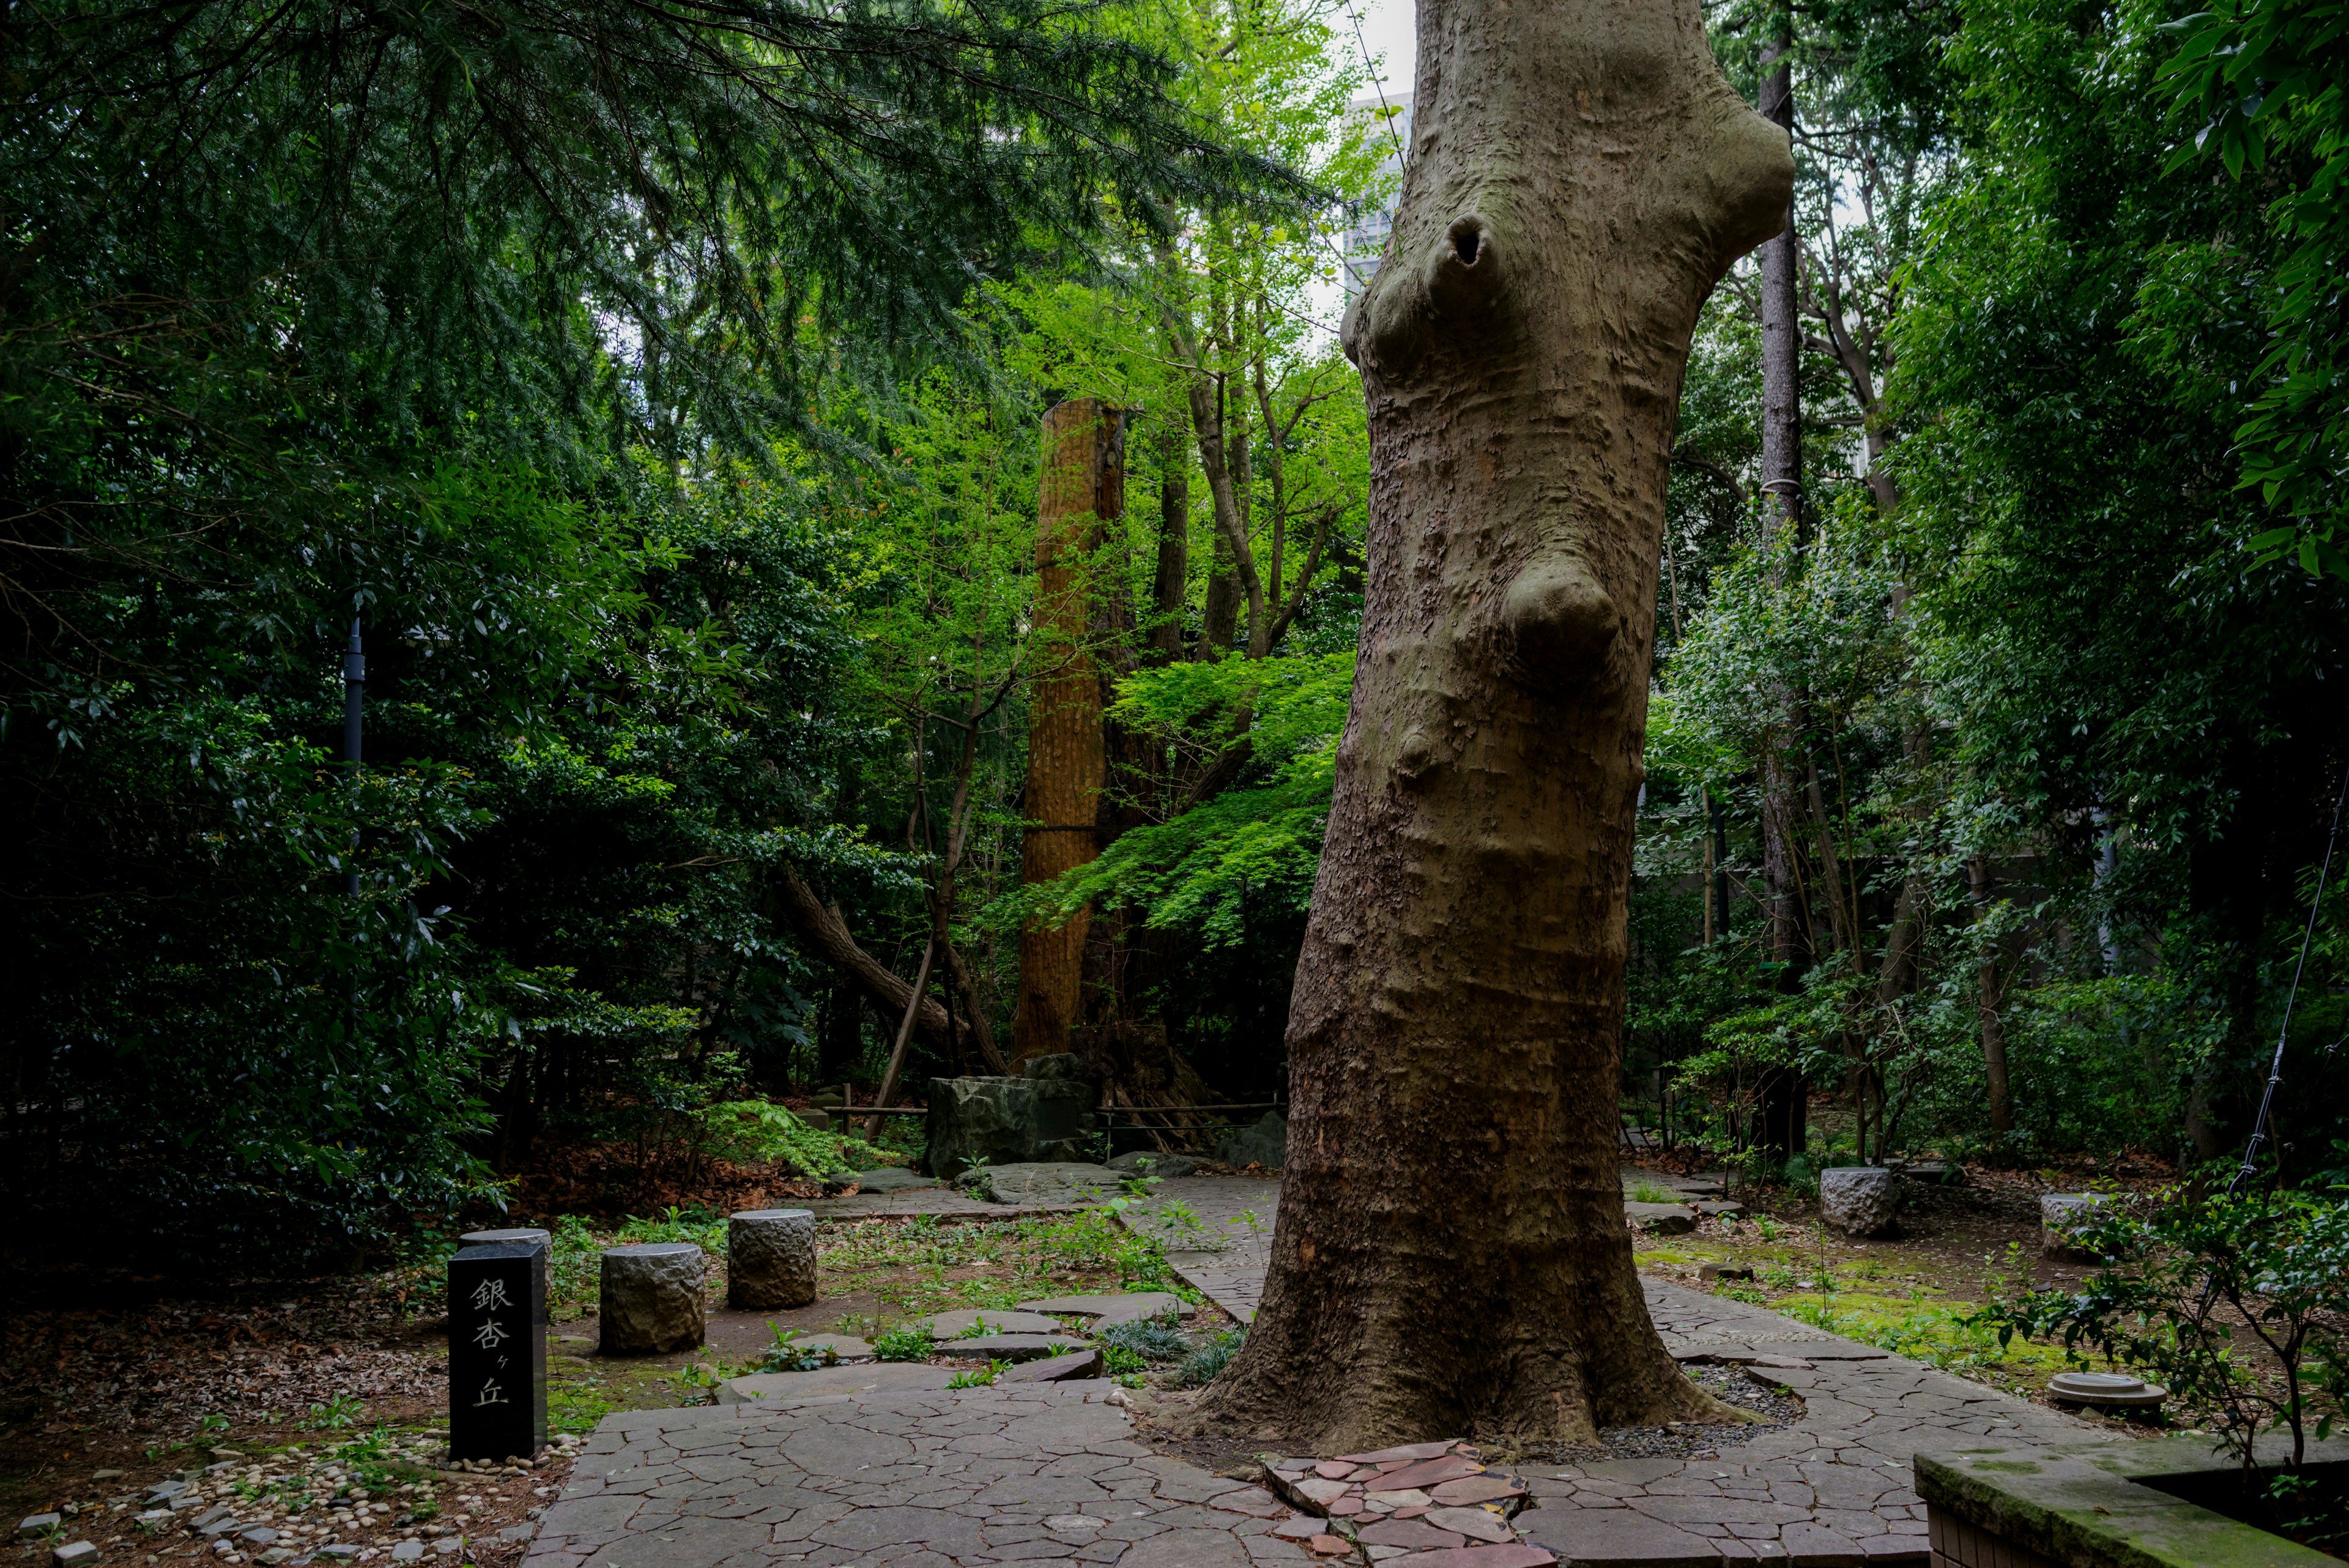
<point x="482" y="328"/>
<point x="335" y="1415"/>
<point x="762" y="1130"/>
<point x="2277" y="1261"/>
<point x="903" y="1344"/>
<point x="2266" y="78"/>
<point x="1122" y="1362"/>
<point x="1207" y="1361"/>
<point x="1248" y="848"/>
<point x="977" y="1376"/>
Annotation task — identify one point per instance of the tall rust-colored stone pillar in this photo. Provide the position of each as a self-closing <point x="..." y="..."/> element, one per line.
<point x="1083" y="491"/>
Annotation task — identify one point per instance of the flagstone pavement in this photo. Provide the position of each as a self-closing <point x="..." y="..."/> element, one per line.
<point x="1044" y="1472"/>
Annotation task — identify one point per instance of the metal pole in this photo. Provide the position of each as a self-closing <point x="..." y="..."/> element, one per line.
<point x="354" y="693"/>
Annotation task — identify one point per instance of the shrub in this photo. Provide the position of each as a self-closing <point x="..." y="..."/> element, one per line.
<point x="789" y="1355"/>
<point x="2279" y="1259"/>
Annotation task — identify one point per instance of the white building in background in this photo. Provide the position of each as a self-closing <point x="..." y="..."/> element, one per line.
<point x="1365" y="239"/>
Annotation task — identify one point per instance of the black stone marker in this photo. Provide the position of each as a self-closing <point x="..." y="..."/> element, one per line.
<point x="497" y="1351"/>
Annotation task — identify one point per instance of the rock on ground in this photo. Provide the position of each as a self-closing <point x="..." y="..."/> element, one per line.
<point x="892" y="1179"/>
<point x="1154" y="1162"/>
<point x="770" y="1259"/>
<point x="1044" y="1183"/>
<point x="2060" y="1215"/>
<point x="1265" y="1144"/>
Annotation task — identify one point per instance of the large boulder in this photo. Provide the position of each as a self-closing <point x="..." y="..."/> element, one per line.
<point x="1044" y="1115"/>
<point x="1265" y="1144"/>
<point x="1859" y="1200"/>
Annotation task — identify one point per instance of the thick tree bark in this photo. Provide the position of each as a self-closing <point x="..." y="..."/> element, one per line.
<point x="1083" y="484"/>
<point x="1581" y="178"/>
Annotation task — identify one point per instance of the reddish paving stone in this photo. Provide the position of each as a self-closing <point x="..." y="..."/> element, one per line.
<point x="1451" y="1468"/>
<point x="1330" y="1546"/>
<point x="1333" y="1469"/>
<point x="1413" y="1533"/>
<point x="1407" y="1452"/>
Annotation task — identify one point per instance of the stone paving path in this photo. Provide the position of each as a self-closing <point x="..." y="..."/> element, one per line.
<point x="1217" y="1233"/>
<point x="953" y="1479"/>
<point x="913" y="1480"/>
<point x="939" y="1200"/>
<point x="1832" y="1488"/>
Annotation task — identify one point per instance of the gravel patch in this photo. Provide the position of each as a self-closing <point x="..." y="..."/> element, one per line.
<point x="1686" y="1439"/>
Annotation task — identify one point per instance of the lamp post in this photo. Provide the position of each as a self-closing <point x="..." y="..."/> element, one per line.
<point x="354" y="693"/>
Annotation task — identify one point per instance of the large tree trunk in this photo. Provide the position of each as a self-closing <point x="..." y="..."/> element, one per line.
<point x="1084" y="485"/>
<point x="1581" y="177"/>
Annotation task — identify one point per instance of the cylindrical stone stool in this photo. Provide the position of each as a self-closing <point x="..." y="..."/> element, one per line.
<point x="770" y="1259"/>
<point x="1859" y="1200"/>
<point x="483" y="1237"/>
<point x="651" y="1299"/>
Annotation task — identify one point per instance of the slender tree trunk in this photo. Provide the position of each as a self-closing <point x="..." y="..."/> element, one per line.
<point x="1225" y="461"/>
<point x="1990" y="1001"/>
<point x="1084" y="485"/>
<point x="1782" y="490"/>
<point x="943" y="897"/>
<point x="905" y="1038"/>
<point x="1220" y="617"/>
<point x="842" y="1042"/>
<point x="1128" y="789"/>
<point x="1581" y="178"/>
<point x="1170" y="583"/>
<point x="823" y="930"/>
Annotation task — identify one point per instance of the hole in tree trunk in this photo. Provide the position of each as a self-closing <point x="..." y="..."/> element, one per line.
<point x="1465" y="240"/>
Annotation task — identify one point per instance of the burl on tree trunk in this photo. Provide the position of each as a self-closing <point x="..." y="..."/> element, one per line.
<point x="1451" y="1253"/>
